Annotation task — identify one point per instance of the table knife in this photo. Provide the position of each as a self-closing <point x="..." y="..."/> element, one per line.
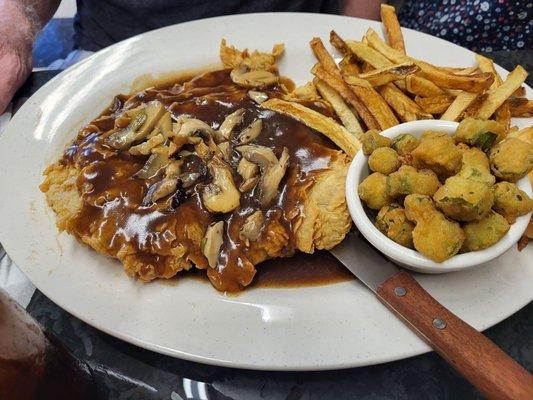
<point x="473" y="355"/>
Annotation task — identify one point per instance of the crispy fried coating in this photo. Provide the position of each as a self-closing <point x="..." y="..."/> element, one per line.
<point x="371" y="140"/>
<point x="439" y="153"/>
<point x="485" y="232"/>
<point x="405" y="144"/>
<point x="510" y="201"/>
<point x="408" y="180"/>
<point x="373" y="191"/>
<point x="384" y="160"/>
<point x="511" y="159"/>
<point x="480" y="133"/>
<point x="434" y="235"/>
<point x="391" y="221"/>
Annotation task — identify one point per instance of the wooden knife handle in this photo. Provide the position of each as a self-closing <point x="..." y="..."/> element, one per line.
<point x="472" y="354"/>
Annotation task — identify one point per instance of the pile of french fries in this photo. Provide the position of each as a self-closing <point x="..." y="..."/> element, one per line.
<point x="376" y="85"/>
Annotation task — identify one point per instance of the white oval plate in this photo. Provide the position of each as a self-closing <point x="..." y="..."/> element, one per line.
<point x="335" y="326"/>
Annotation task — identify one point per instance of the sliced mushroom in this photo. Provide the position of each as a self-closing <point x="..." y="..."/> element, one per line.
<point x="251" y="229"/>
<point x="155" y="162"/>
<point x="221" y="195"/>
<point x="145" y="147"/>
<point x="139" y="128"/>
<point x="225" y="148"/>
<point x="271" y="178"/>
<point x="159" y="190"/>
<point x="258" y="97"/>
<point x="212" y="242"/>
<point x="189" y="178"/>
<point x="251" y="132"/>
<point x="229" y="123"/>
<point x="173" y="169"/>
<point x="253" y="79"/>
<point x="260" y="155"/>
<point x="164" y="125"/>
<point x="247" y="169"/>
<point x="191" y="126"/>
<point x="248" y="184"/>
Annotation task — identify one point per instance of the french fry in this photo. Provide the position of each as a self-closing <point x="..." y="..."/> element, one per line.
<point x="345" y="114"/>
<point x="497" y="96"/>
<point x="460" y="71"/>
<point x="422" y="87"/>
<point x="520" y="92"/>
<point x="353" y="80"/>
<point x="338" y="134"/>
<point x="347" y="94"/>
<point x="503" y="116"/>
<point x="405" y="108"/>
<point x="434" y="105"/>
<point x="323" y="56"/>
<point x="520" y="107"/>
<point x="472" y="83"/>
<point x="458" y="106"/>
<point x="377" y="106"/>
<point x="382" y="76"/>
<point x="367" y="54"/>
<point x="392" y="27"/>
<point x="486" y="65"/>
<point x="348" y="66"/>
<point x="339" y="43"/>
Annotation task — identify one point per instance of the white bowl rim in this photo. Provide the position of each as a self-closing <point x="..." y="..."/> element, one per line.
<point x="409" y="258"/>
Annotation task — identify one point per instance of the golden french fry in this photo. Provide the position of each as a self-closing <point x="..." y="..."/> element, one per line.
<point x="497" y="96"/>
<point x="342" y="110"/>
<point x="461" y="70"/>
<point x="486" y="65"/>
<point x="392" y="27"/>
<point x="356" y="81"/>
<point x="337" y="133"/>
<point x="434" y="105"/>
<point x="348" y="66"/>
<point x="422" y="87"/>
<point x="347" y="93"/>
<point x="458" y="106"/>
<point x="520" y="92"/>
<point x="520" y="107"/>
<point x="404" y="107"/>
<point x="503" y="116"/>
<point x="339" y="43"/>
<point x="369" y="55"/>
<point x="323" y="56"/>
<point x="377" y="106"/>
<point x="382" y="76"/>
<point x="472" y="83"/>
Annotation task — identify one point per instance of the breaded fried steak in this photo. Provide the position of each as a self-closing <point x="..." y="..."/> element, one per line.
<point x="200" y="174"/>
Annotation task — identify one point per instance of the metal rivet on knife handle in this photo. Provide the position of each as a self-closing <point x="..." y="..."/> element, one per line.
<point x="439" y="323"/>
<point x="400" y="291"/>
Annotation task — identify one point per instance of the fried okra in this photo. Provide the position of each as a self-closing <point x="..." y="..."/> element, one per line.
<point x="467" y="196"/>
<point x="479" y="133"/>
<point x="476" y="166"/>
<point x="371" y="140"/>
<point x="439" y="153"/>
<point x="408" y="180"/>
<point x="511" y="159"/>
<point x="391" y="221"/>
<point x="373" y="191"/>
<point x="434" y="235"/>
<point x="510" y="201"/>
<point x="404" y="144"/>
<point x="464" y="199"/>
<point x="485" y="232"/>
<point x="384" y="160"/>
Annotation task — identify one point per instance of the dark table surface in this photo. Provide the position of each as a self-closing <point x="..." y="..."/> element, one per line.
<point x="123" y="371"/>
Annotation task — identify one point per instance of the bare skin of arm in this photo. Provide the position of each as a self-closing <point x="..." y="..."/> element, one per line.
<point x="20" y="21"/>
<point x="368" y="9"/>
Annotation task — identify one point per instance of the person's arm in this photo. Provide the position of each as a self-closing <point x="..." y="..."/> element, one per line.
<point x="368" y="9"/>
<point x="20" y="21"/>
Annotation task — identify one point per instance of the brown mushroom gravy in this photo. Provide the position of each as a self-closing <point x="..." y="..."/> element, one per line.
<point x="113" y="195"/>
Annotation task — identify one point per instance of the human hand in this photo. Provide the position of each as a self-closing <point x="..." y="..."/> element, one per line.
<point x="15" y="64"/>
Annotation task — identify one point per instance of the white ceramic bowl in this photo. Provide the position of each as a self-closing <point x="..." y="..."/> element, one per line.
<point x="402" y="255"/>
